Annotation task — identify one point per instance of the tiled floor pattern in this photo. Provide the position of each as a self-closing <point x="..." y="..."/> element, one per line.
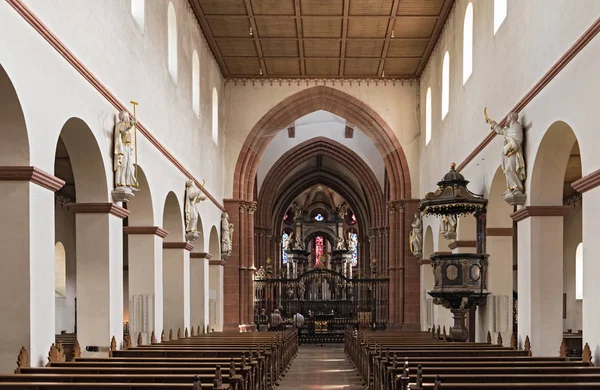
<point x="321" y="368"/>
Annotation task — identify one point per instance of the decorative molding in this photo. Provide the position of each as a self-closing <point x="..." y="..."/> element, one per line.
<point x="162" y="233"/>
<point x="98" y="208"/>
<point x="441" y="253"/>
<point x="200" y="255"/>
<point x="53" y="40"/>
<point x="424" y="261"/>
<point x="313" y="81"/>
<point x="497" y="232"/>
<point x="32" y="174"/>
<point x="588" y="182"/>
<point x="462" y="244"/>
<point x="587" y="36"/>
<point x="178" y="245"/>
<point x="539" y="211"/>
<point x="217" y="262"/>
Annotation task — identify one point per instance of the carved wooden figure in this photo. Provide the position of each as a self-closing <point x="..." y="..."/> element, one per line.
<point x="22" y="359"/>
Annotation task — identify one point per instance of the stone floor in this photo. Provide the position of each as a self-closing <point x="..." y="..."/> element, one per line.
<point x="321" y="368"/>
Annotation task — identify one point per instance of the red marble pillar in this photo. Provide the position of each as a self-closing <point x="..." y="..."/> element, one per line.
<point x="411" y="280"/>
<point x="392" y="207"/>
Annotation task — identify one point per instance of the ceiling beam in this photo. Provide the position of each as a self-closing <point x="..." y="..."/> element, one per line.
<point x="299" y="34"/>
<point x="344" y="36"/>
<point x="388" y="36"/>
<point x="437" y="30"/>
<point x="209" y="36"/>
<point x="255" y="36"/>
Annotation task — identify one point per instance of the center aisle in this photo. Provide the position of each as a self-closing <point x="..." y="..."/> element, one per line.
<point x="323" y="368"/>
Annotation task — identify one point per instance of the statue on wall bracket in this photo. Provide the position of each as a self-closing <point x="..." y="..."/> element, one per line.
<point x="226" y="235"/>
<point x="513" y="163"/>
<point x="125" y="156"/>
<point x="416" y="236"/>
<point x="193" y="196"/>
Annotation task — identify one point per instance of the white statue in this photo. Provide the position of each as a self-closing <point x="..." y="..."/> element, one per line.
<point x="513" y="163"/>
<point x="352" y="242"/>
<point x="290" y="242"/>
<point x="299" y="245"/>
<point x="448" y="227"/>
<point x="193" y="196"/>
<point x="226" y="235"/>
<point x="340" y="244"/>
<point x="416" y="236"/>
<point x="124" y="153"/>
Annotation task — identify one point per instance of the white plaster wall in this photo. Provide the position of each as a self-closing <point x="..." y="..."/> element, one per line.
<point x="64" y="231"/>
<point x="572" y="238"/>
<point x="396" y="104"/>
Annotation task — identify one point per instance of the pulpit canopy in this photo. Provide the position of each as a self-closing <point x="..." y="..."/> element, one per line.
<point x="452" y="197"/>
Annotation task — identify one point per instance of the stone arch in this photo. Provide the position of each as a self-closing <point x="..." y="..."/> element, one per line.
<point x="199" y="243"/>
<point x="173" y="219"/>
<point x="550" y="164"/>
<point x="14" y="148"/>
<point x="214" y="248"/>
<point x="87" y="162"/>
<point x="498" y="211"/>
<point x="336" y="102"/>
<point x="140" y="207"/>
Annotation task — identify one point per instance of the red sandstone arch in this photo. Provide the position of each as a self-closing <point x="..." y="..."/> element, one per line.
<point x="310" y="149"/>
<point x="336" y="102"/>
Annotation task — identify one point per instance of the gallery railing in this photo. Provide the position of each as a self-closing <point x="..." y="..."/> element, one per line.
<point x="330" y="296"/>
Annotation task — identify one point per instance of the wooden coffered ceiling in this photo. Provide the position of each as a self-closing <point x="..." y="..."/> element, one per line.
<point x="322" y="38"/>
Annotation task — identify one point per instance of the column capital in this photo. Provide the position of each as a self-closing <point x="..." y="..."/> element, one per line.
<point x="395" y="205"/>
<point x="248" y="207"/>
<point x="498" y="231"/>
<point x="98" y="208"/>
<point x="218" y="262"/>
<point x="200" y="255"/>
<point x="539" y="211"/>
<point x="178" y="245"/>
<point x="158" y="231"/>
<point x="32" y="174"/>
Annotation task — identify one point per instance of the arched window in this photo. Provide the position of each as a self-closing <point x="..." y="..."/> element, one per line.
<point x="283" y="254"/>
<point x="137" y="10"/>
<point x="196" y="83"/>
<point x="500" y="8"/>
<point x="468" y="43"/>
<point x="60" y="270"/>
<point x="172" y="41"/>
<point x="318" y="249"/>
<point x="354" y="238"/>
<point x="579" y="271"/>
<point x="445" y="85"/>
<point x="428" y="116"/>
<point x="215" y="117"/>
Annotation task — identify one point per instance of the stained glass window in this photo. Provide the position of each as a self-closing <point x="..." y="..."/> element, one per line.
<point x="318" y="249"/>
<point x="283" y="254"/>
<point x="319" y="217"/>
<point x="354" y="238"/>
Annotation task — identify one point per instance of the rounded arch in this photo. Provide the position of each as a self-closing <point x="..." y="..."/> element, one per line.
<point x="498" y="211"/>
<point x="213" y="243"/>
<point x="199" y="243"/>
<point x="60" y="270"/>
<point x="173" y="219"/>
<point x="550" y="164"/>
<point x="87" y="162"/>
<point x="336" y="102"/>
<point x="428" y="243"/>
<point x="14" y="145"/>
<point x="140" y="207"/>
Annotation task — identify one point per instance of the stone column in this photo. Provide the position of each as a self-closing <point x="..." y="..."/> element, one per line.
<point x="27" y="277"/>
<point x="243" y="248"/>
<point x="540" y="280"/>
<point x="199" y="288"/>
<point x="216" y="269"/>
<point x="250" y="210"/>
<point x="426" y="283"/>
<point x="392" y="267"/>
<point x="176" y="285"/>
<point x="231" y="270"/>
<point x="146" y="277"/>
<point x="99" y="237"/>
